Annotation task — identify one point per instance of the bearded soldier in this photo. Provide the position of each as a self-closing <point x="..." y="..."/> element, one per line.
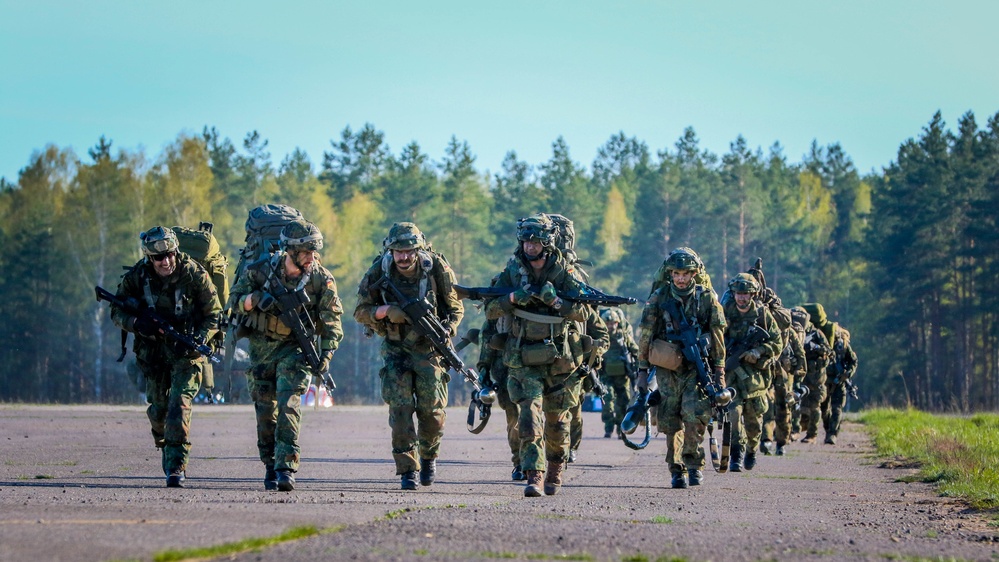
<point x="176" y="288"/>
<point x="414" y="381"/>
<point x="685" y="404"/>
<point x="280" y="371"/>
<point x="818" y="353"/>
<point x="543" y="349"/>
<point x="618" y="369"/>
<point x="753" y="343"/>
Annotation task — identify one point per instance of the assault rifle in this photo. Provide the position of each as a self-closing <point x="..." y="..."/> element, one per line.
<point x="291" y="311"/>
<point x="694" y="346"/>
<point x="851" y="389"/>
<point x="161" y="324"/>
<point x="757" y="336"/>
<point x="421" y="313"/>
<point x="587" y="295"/>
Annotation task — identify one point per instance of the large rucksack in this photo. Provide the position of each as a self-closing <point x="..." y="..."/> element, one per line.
<point x="565" y="239"/>
<point x="263" y="233"/>
<point x="202" y="246"/>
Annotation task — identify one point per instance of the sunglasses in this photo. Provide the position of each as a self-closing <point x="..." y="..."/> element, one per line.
<point x="163" y="256"/>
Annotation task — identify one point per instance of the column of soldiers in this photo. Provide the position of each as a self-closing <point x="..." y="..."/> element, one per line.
<point x="538" y="347"/>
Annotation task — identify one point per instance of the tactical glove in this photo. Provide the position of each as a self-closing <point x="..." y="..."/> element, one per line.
<point x="549" y="297"/>
<point x="265" y="301"/>
<point x="484" y="379"/>
<point x="521" y="297"/>
<point x="642" y="381"/>
<point x="144" y="325"/>
<point x="324" y="360"/>
<point x="720" y="377"/>
<point x="395" y="315"/>
<point x="751" y="356"/>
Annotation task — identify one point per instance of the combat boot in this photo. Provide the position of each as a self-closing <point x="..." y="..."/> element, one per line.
<point x="830" y="439"/>
<point x="694" y="476"/>
<point x="678" y="482"/>
<point x="780" y="451"/>
<point x="553" y="478"/>
<point x="533" y="488"/>
<point x="409" y="480"/>
<point x="735" y="461"/>
<point x="808" y="438"/>
<point x="270" y="478"/>
<point x="517" y="475"/>
<point x="765" y="447"/>
<point x="428" y="471"/>
<point x="285" y="480"/>
<point x="176" y="478"/>
<point x="572" y="456"/>
<point x="750" y="461"/>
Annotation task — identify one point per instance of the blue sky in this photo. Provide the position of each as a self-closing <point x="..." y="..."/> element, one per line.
<point x="503" y="76"/>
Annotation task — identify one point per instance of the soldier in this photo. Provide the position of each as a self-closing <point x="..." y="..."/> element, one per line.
<point x="685" y="405"/>
<point x="817" y="353"/>
<point x="494" y="374"/>
<point x="280" y="373"/>
<point x="414" y="380"/>
<point x="596" y="336"/>
<point x="839" y="373"/>
<point x="618" y="369"/>
<point x="753" y="343"/>
<point x="179" y="290"/>
<point x="794" y="365"/>
<point x="543" y="349"/>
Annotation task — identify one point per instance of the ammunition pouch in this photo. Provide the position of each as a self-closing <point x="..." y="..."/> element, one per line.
<point x="615" y="366"/>
<point x="750" y="382"/>
<point x="534" y="331"/>
<point x="665" y="354"/>
<point x="543" y="353"/>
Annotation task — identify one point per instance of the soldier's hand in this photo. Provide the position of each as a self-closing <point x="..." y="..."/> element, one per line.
<point x="395" y="315"/>
<point x="264" y="301"/>
<point x="144" y="325"/>
<point x="751" y="356"/>
<point x="719" y="373"/>
<point x="521" y="296"/>
<point x="484" y="378"/>
<point x="549" y="297"/>
<point x="642" y="381"/>
<point x="324" y="361"/>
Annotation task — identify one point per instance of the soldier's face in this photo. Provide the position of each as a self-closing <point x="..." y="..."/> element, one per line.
<point x="682" y="279"/>
<point x="405" y="260"/>
<point x="742" y="300"/>
<point x="304" y="258"/>
<point x="533" y="249"/>
<point x="164" y="264"/>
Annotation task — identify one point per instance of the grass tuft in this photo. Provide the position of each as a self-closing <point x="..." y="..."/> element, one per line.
<point x="230" y="548"/>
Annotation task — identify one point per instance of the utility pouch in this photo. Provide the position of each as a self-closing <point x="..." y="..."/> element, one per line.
<point x="666" y="355"/>
<point x="615" y="366"/>
<point x="534" y="331"/>
<point x="543" y="353"/>
<point x="498" y="342"/>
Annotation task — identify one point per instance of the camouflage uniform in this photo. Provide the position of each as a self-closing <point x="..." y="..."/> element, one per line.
<point x="793" y="364"/>
<point x="617" y="370"/>
<point x="494" y="373"/>
<point x="596" y="329"/>
<point x="188" y="301"/>
<point x="752" y="381"/>
<point x="817" y="353"/>
<point x="279" y="373"/>
<point x="842" y="367"/>
<point x="544" y="389"/>
<point x="413" y="378"/>
<point x="684" y="405"/>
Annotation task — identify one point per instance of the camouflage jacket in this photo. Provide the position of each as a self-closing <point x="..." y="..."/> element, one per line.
<point x="324" y="306"/>
<point x="187" y="299"/>
<point x="843" y="363"/>
<point x="519" y="273"/>
<point x="817" y="349"/>
<point x="739" y="326"/>
<point x="434" y="280"/>
<point x="623" y="346"/>
<point x="701" y="309"/>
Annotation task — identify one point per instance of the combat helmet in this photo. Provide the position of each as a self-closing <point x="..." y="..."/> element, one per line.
<point x="800" y="316"/>
<point x="301" y="235"/>
<point x="817" y="313"/>
<point x="683" y="259"/>
<point x="744" y="283"/>
<point x="404" y="236"/>
<point x="538" y="227"/>
<point x="158" y="240"/>
<point x="611" y="315"/>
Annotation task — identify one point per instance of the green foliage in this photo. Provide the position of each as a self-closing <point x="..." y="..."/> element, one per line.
<point x="957" y="452"/>
<point x="236" y="547"/>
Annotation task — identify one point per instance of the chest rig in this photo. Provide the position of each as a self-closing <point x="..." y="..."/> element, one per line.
<point x="425" y="285"/>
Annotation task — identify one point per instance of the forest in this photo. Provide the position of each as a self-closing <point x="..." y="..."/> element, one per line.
<point x="906" y="258"/>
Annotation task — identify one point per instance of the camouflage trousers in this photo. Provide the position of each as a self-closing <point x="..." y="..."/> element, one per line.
<point x="171" y="385"/>
<point x="576" y="421"/>
<point x="747" y="421"/>
<point x="811" y="410"/>
<point x="413" y="383"/>
<point x="615" y="402"/>
<point x="832" y="408"/>
<point x="777" y="420"/>
<point x="277" y="379"/>
<point x="546" y="402"/>
<point x="499" y="375"/>
<point x="684" y="407"/>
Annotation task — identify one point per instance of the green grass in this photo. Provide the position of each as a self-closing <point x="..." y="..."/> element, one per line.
<point x="958" y="453"/>
<point x="912" y="558"/>
<point x="662" y="519"/>
<point x="230" y="548"/>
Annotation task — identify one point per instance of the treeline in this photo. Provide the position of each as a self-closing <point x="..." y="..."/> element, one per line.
<point x="907" y="259"/>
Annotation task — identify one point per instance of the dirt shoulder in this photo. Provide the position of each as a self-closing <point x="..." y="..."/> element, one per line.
<point x="84" y="483"/>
